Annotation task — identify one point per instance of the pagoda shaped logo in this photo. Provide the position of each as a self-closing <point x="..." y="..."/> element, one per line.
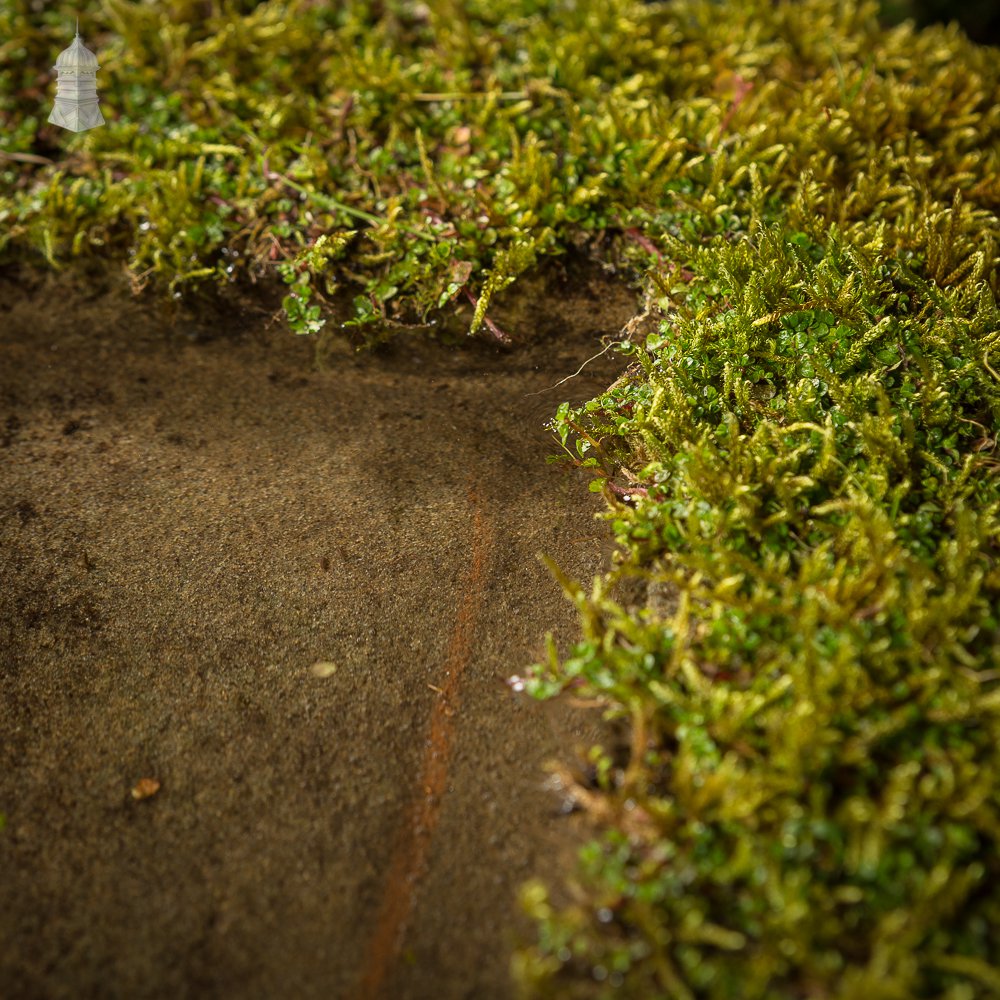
<point x="76" y="106"/>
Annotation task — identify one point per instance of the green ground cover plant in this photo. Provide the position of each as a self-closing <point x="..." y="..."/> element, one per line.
<point x="800" y="460"/>
<point x="804" y="452"/>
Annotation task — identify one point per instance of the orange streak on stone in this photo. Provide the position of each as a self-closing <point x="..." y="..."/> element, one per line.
<point x="410" y="857"/>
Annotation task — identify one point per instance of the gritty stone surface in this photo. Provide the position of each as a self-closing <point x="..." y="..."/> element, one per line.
<point x="190" y="522"/>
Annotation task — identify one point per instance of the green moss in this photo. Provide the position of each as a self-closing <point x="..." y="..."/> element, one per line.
<point x="458" y="135"/>
<point x="804" y="453"/>
<point x="812" y="794"/>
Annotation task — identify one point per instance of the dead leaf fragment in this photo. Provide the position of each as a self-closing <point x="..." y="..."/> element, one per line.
<point x="145" y="788"/>
<point x="324" y="669"/>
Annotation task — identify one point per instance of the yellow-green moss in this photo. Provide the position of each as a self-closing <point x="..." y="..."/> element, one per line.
<point x="804" y="455"/>
<point x="460" y="135"/>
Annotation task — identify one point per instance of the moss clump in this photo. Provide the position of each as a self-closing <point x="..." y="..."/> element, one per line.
<point x="456" y="142"/>
<point x="805" y="455"/>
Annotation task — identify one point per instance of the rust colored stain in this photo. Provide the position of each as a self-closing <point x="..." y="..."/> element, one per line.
<point x="410" y="857"/>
